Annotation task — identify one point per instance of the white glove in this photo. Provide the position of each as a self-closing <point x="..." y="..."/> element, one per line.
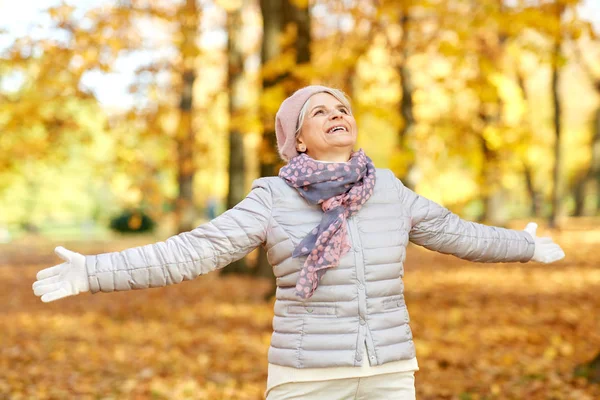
<point x="546" y="251"/>
<point x="62" y="280"/>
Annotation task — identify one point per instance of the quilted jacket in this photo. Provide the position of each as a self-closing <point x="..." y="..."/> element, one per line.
<point x="359" y="301"/>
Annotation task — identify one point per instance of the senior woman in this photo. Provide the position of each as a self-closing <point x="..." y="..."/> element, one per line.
<point x="335" y="229"/>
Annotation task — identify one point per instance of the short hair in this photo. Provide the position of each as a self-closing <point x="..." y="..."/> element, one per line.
<point x="337" y="93"/>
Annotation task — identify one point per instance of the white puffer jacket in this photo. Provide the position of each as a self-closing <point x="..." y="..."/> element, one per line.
<point x="359" y="301"/>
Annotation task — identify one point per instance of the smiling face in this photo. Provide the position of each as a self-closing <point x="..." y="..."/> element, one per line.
<point x="329" y="130"/>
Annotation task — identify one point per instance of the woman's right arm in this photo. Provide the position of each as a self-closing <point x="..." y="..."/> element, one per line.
<point x="208" y="247"/>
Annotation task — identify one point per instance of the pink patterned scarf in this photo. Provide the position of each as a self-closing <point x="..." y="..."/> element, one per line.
<point x="341" y="189"/>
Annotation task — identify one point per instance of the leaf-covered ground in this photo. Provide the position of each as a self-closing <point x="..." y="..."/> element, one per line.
<point x="497" y="331"/>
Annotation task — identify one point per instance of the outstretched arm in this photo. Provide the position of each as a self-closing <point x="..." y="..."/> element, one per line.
<point x="437" y="228"/>
<point x="210" y="246"/>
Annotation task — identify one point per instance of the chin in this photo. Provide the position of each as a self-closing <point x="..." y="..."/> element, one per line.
<point x="344" y="142"/>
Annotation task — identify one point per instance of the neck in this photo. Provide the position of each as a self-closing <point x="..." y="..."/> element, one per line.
<point x="340" y="156"/>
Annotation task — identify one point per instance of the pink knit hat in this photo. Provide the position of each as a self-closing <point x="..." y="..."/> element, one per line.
<point x="287" y="117"/>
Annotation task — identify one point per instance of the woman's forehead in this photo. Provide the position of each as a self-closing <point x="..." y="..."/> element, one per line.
<point x="325" y="99"/>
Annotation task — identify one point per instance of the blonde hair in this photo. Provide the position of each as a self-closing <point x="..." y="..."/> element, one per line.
<point x="337" y="93"/>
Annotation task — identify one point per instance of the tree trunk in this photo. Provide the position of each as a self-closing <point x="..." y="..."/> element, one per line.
<point x="235" y="74"/>
<point x="490" y="183"/>
<point x="276" y="17"/>
<point x="552" y="222"/>
<point x="534" y="196"/>
<point x="489" y="60"/>
<point x="590" y="179"/>
<point x="185" y="137"/>
<point x="300" y="17"/>
<point x="406" y="103"/>
<point x="579" y="195"/>
<point x="273" y="25"/>
<point x="28" y="223"/>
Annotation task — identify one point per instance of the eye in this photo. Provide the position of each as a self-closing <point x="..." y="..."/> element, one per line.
<point x="318" y="111"/>
<point x="344" y="110"/>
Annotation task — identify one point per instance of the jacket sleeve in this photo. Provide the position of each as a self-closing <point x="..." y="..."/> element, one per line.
<point x="210" y="246"/>
<point x="436" y="228"/>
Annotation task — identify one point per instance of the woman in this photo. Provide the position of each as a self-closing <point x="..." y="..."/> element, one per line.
<point x="335" y="230"/>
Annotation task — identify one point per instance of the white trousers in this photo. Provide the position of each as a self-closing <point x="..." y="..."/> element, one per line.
<point x="395" y="386"/>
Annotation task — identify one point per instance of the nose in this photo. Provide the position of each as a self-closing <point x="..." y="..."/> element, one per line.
<point x="335" y="114"/>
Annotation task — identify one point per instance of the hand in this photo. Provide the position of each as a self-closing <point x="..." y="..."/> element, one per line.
<point x="546" y="251"/>
<point x="62" y="280"/>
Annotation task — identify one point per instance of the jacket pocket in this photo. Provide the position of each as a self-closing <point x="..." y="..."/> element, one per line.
<point x="393" y="303"/>
<point x="396" y="304"/>
<point x="311" y="310"/>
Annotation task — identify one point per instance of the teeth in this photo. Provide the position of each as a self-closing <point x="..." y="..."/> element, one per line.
<point x="337" y="128"/>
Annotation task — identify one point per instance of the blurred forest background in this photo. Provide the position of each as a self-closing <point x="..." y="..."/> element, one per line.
<point x="489" y="107"/>
<point x="121" y="112"/>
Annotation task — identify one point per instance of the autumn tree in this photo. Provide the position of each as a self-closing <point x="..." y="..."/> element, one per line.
<point x="401" y="37"/>
<point x="285" y="46"/>
<point x="588" y="180"/>
<point x="589" y="177"/>
<point x="235" y="91"/>
<point x="535" y="195"/>
<point x="550" y="20"/>
<point x="490" y="41"/>
<point x="557" y="10"/>
<point x="45" y="116"/>
<point x="94" y="45"/>
<point x="189" y="16"/>
<point x="343" y="32"/>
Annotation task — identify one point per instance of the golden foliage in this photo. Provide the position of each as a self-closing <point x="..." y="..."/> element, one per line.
<point x="467" y="61"/>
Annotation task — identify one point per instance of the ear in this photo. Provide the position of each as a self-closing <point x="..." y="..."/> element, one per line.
<point x="300" y="146"/>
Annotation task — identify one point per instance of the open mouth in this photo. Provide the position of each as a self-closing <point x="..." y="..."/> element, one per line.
<point x="336" y="129"/>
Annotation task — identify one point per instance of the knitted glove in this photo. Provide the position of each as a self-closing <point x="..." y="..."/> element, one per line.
<point x="62" y="280"/>
<point x="546" y="251"/>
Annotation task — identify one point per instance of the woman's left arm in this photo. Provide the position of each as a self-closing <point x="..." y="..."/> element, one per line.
<point x="437" y="228"/>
